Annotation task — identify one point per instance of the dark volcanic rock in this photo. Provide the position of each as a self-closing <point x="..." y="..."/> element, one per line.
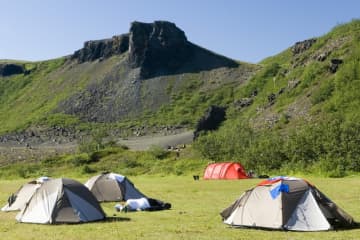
<point x="105" y="48"/>
<point x="9" y="69"/>
<point x="243" y="102"/>
<point x="157" y="49"/>
<point x="293" y="83"/>
<point x="158" y="46"/>
<point x="271" y="98"/>
<point x="322" y="56"/>
<point x="212" y="119"/>
<point x="151" y="52"/>
<point x="302" y="46"/>
<point x="335" y="65"/>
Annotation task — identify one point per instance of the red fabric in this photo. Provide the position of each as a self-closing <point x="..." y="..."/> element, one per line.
<point x="271" y="181"/>
<point x="227" y="170"/>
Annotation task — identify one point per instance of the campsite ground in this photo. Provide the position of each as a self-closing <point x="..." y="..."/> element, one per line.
<point x="194" y="215"/>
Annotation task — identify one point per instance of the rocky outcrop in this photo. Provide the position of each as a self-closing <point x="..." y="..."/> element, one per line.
<point x="157" y="47"/>
<point x="271" y="98"/>
<point x="151" y="46"/>
<point x="38" y="136"/>
<point x="293" y="83"/>
<point x="137" y="81"/>
<point x="243" y="102"/>
<point x="334" y="64"/>
<point x="9" y="69"/>
<point x="302" y="46"/>
<point x="101" y="49"/>
<point x="212" y="119"/>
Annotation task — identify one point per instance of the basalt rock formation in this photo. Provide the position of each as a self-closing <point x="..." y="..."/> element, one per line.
<point x="9" y="69"/>
<point x="157" y="49"/>
<point x="136" y="69"/>
<point x="100" y="49"/>
<point x="211" y="120"/>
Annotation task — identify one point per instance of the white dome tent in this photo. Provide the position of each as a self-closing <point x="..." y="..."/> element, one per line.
<point x="286" y="203"/>
<point x="18" y="199"/>
<point x="61" y="200"/>
<point x="111" y="187"/>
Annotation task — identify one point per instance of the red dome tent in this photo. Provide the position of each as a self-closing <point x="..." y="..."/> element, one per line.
<point x="227" y="170"/>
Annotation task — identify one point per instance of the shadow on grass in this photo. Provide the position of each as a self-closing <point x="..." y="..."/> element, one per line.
<point x="355" y="225"/>
<point x="117" y="219"/>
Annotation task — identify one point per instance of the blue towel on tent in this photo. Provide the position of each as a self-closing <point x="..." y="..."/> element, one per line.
<point x="276" y="191"/>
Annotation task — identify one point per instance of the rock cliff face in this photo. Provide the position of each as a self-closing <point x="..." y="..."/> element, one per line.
<point x="149" y="64"/>
<point x="302" y="46"/>
<point x="212" y="119"/>
<point x="157" y="49"/>
<point x="100" y="49"/>
<point x="9" y="69"/>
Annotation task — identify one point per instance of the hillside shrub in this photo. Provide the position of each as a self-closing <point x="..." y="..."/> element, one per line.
<point x="158" y="152"/>
<point x="324" y="93"/>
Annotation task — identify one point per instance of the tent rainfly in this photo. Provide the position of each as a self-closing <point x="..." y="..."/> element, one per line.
<point x="61" y="200"/>
<point x="112" y="187"/>
<point x="18" y="199"/>
<point x="226" y="170"/>
<point x="286" y="203"/>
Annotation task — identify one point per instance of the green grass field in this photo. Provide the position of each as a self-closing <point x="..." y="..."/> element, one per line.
<point x="194" y="214"/>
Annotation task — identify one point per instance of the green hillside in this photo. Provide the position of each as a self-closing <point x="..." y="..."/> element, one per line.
<point x="305" y="115"/>
<point x="34" y="99"/>
<point x="119" y="82"/>
<point x="295" y="111"/>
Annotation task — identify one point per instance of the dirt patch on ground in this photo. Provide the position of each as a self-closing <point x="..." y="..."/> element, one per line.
<point x="16" y="153"/>
<point x="144" y="142"/>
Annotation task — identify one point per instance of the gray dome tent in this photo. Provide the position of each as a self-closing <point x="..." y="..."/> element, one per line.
<point x="61" y="200"/>
<point x="112" y="187"/>
<point x="18" y="199"/>
<point x="286" y="203"/>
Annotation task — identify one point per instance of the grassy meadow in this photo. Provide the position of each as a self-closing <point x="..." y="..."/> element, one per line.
<point x="194" y="214"/>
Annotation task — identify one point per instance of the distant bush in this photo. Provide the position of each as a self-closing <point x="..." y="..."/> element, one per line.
<point x="158" y="152"/>
<point x="87" y="170"/>
<point x="330" y="147"/>
<point x="324" y="93"/>
<point x="79" y="159"/>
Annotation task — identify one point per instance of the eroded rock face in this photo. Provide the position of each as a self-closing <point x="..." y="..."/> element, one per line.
<point x="212" y="119"/>
<point x="153" y="47"/>
<point x="100" y="49"/>
<point x="243" y="102"/>
<point x="136" y="81"/>
<point x="9" y="69"/>
<point x="335" y="63"/>
<point x="156" y="47"/>
<point x="302" y="46"/>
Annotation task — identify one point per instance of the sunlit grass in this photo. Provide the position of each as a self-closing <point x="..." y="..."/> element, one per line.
<point x="194" y="214"/>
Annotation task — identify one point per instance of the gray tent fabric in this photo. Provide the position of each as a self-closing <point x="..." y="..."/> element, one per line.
<point x="307" y="215"/>
<point x="61" y="201"/>
<point x="112" y="187"/>
<point x="18" y="199"/>
<point x="286" y="203"/>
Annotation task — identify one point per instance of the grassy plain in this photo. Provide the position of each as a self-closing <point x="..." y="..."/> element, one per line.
<point x="194" y="214"/>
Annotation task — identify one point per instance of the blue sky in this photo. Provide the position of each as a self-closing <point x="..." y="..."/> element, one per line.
<point x="243" y="30"/>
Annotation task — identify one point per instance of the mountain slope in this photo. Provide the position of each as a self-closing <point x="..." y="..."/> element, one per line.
<point x="296" y="111"/>
<point x="148" y="78"/>
<point x="300" y="112"/>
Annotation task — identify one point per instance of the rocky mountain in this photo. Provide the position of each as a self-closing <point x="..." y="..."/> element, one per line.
<point x="154" y="80"/>
<point x="9" y="69"/>
<point x="149" y="55"/>
<point x="150" y="79"/>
